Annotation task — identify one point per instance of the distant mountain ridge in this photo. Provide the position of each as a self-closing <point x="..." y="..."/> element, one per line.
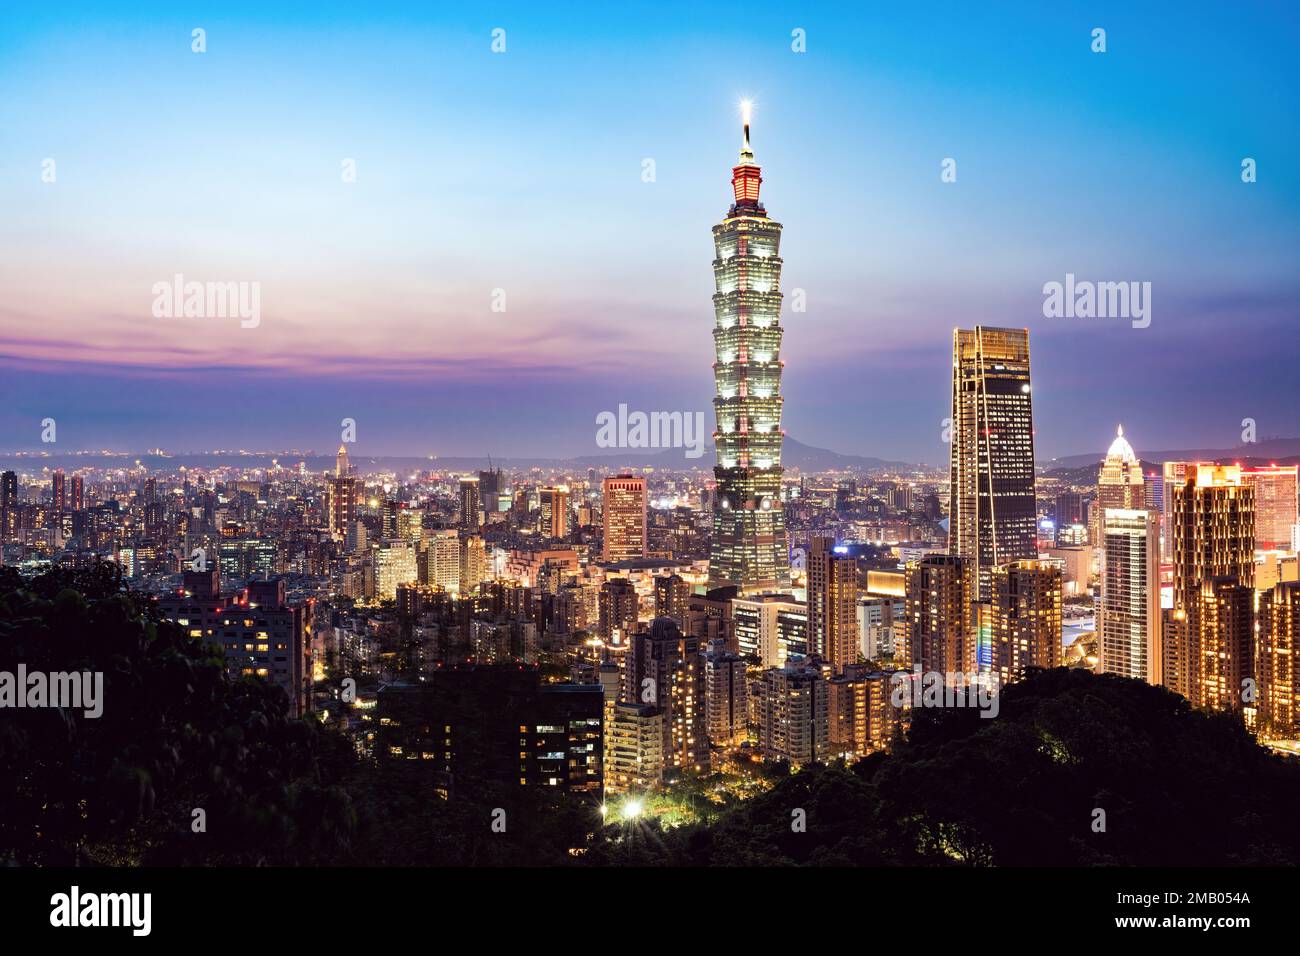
<point x="795" y="455"/>
<point x="1282" y="451"/>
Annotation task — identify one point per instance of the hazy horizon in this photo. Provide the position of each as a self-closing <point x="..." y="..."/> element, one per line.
<point x="523" y="172"/>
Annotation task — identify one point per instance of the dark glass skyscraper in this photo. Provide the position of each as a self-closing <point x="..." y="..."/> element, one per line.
<point x="992" y="509"/>
<point x="749" y="543"/>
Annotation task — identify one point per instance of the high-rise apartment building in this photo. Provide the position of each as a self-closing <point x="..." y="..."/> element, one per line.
<point x="749" y="547"/>
<point x="554" y="512"/>
<point x="496" y="725"/>
<point x="410" y="523"/>
<point x="8" y="503"/>
<point x="1154" y="493"/>
<point x="671" y="596"/>
<point x="634" y="748"/>
<point x="442" y="560"/>
<point x="880" y="619"/>
<point x="794" y="714"/>
<point x="666" y="669"/>
<point x="344" y="493"/>
<point x="862" y="715"/>
<point x="832" y="604"/>
<point x="1069" y="509"/>
<point x="1207" y="637"/>
<point x="471" y="506"/>
<point x="1025" y="618"/>
<point x="1221" y="644"/>
<point x="491" y="485"/>
<point x="1275" y="504"/>
<point x="625" y="518"/>
<point x="1212" y="526"/>
<point x="938" y="631"/>
<point x="726" y="697"/>
<point x="618" y="609"/>
<point x="771" y="627"/>
<point x="992" y="509"/>
<point x="1172" y="474"/>
<point x="709" y="616"/>
<point x="395" y="563"/>
<point x="473" y="563"/>
<point x="1128" y="617"/>
<point x="259" y="633"/>
<point x="1277" y="672"/>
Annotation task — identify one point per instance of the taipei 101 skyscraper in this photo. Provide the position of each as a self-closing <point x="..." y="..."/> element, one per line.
<point x="749" y="543"/>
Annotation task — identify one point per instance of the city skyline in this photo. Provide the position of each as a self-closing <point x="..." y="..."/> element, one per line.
<point x="376" y="294"/>
<point x="384" y="483"/>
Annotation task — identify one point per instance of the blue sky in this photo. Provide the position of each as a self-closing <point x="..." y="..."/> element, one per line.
<point x="522" y="171"/>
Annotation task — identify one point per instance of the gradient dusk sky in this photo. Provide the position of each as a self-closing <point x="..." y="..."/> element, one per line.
<point x="522" y="171"/>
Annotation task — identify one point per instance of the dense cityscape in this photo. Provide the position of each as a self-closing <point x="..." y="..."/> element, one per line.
<point x="612" y="632"/>
<point x="431" y="561"/>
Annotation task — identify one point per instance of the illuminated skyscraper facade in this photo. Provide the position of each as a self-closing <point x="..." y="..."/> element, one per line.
<point x="553" y="521"/>
<point x="1212" y="525"/>
<point x="442" y="559"/>
<point x="473" y="563"/>
<point x="395" y="563"/>
<point x="471" y="509"/>
<point x="1173" y="474"/>
<point x="1221" y="644"/>
<point x="618" y="607"/>
<point x="1025" y="617"/>
<point x="1119" y="485"/>
<point x="1129" y="614"/>
<point x="1207" y="638"/>
<point x="625" y="518"/>
<point x="58" y="492"/>
<point x="749" y="539"/>
<point x="666" y="669"/>
<point x="1276" y="668"/>
<point x="1275" y="503"/>
<point x="992" y="510"/>
<point x="344" y="490"/>
<point x="794" y="714"/>
<point x="938" y="631"/>
<point x="832" y="604"/>
<point x="725" y="697"/>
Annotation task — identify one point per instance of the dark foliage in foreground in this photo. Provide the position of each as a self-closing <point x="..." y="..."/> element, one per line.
<point x="174" y="736"/>
<point x="1177" y="787"/>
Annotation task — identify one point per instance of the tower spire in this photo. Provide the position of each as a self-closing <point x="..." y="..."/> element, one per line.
<point x="746" y="177"/>
<point x="746" y="113"/>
